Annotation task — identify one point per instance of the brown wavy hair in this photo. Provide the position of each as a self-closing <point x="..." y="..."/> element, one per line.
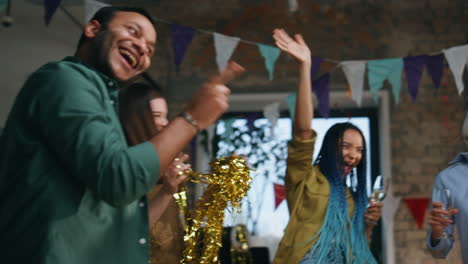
<point x="135" y="111"/>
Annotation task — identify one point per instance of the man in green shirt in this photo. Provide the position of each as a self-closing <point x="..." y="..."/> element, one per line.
<point x="71" y="190"/>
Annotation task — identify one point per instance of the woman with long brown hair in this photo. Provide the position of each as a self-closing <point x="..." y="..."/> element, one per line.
<point x="143" y="113"/>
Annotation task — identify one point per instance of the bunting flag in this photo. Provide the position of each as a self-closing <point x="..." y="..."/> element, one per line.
<point x="417" y="207"/>
<point x="181" y="38"/>
<point x="354" y="72"/>
<point x="50" y="8"/>
<point x="457" y="58"/>
<point x="386" y="69"/>
<point x="291" y="101"/>
<point x="413" y="71"/>
<point x="322" y="91"/>
<point x="271" y="112"/>
<point x="90" y="8"/>
<point x="435" y="67"/>
<point x="378" y="70"/>
<point x="270" y="54"/>
<point x="316" y="61"/>
<point x="224" y="47"/>
<point x="280" y="194"/>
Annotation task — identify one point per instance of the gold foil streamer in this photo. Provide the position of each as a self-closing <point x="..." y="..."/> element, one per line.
<point x="181" y="201"/>
<point x="228" y="183"/>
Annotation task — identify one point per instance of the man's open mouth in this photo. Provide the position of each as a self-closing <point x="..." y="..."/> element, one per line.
<point x="131" y="58"/>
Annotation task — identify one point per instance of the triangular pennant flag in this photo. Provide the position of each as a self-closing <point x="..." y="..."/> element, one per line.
<point x="280" y="194"/>
<point x="316" y="61"/>
<point x="90" y="8"/>
<point x="271" y="112"/>
<point x="270" y="54"/>
<point x="50" y="8"/>
<point x="386" y="69"/>
<point x="291" y="101"/>
<point x="414" y="66"/>
<point x="181" y="38"/>
<point x="435" y="67"/>
<point x="417" y="207"/>
<point x="457" y="58"/>
<point x="224" y="47"/>
<point x="322" y="91"/>
<point x="354" y="72"/>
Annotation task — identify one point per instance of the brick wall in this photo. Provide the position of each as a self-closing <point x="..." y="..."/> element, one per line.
<point x="425" y="135"/>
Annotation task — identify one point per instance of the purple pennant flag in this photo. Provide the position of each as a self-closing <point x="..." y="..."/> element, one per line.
<point x="50" y="8"/>
<point x="435" y="67"/>
<point x="181" y="38"/>
<point x="414" y="66"/>
<point x="322" y="91"/>
<point x="316" y="61"/>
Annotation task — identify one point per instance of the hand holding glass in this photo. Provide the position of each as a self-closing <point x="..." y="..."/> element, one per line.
<point x="379" y="190"/>
<point x="444" y="196"/>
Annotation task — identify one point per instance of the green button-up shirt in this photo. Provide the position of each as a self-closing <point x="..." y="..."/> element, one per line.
<point x="71" y="190"/>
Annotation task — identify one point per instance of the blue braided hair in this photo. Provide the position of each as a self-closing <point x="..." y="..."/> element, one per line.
<point x="336" y="240"/>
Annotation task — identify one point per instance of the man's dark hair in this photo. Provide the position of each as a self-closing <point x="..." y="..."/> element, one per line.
<point x="105" y="15"/>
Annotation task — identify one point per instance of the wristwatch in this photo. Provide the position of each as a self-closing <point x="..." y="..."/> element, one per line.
<point x="189" y="118"/>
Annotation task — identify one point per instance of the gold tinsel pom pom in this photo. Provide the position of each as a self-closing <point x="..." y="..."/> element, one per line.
<point x="228" y="182"/>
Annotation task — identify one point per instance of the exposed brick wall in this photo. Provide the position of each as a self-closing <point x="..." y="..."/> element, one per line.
<point x="425" y="135"/>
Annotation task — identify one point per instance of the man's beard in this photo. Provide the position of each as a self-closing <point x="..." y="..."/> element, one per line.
<point x="101" y="48"/>
<point x="100" y="51"/>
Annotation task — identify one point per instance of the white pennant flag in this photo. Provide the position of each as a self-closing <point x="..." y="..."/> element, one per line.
<point x="271" y="112"/>
<point x="224" y="47"/>
<point x="354" y="72"/>
<point x="90" y="8"/>
<point x="457" y="58"/>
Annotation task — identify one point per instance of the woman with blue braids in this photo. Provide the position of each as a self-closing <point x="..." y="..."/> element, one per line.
<point x="329" y="222"/>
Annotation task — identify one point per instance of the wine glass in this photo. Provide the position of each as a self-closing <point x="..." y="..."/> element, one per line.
<point x="444" y="196"/>
<point x="379" y="190"/>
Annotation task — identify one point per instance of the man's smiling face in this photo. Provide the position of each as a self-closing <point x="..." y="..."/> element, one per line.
<point x="123" y="50"/>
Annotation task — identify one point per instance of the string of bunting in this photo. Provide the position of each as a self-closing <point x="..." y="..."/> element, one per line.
<point x="378" y="71"/>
